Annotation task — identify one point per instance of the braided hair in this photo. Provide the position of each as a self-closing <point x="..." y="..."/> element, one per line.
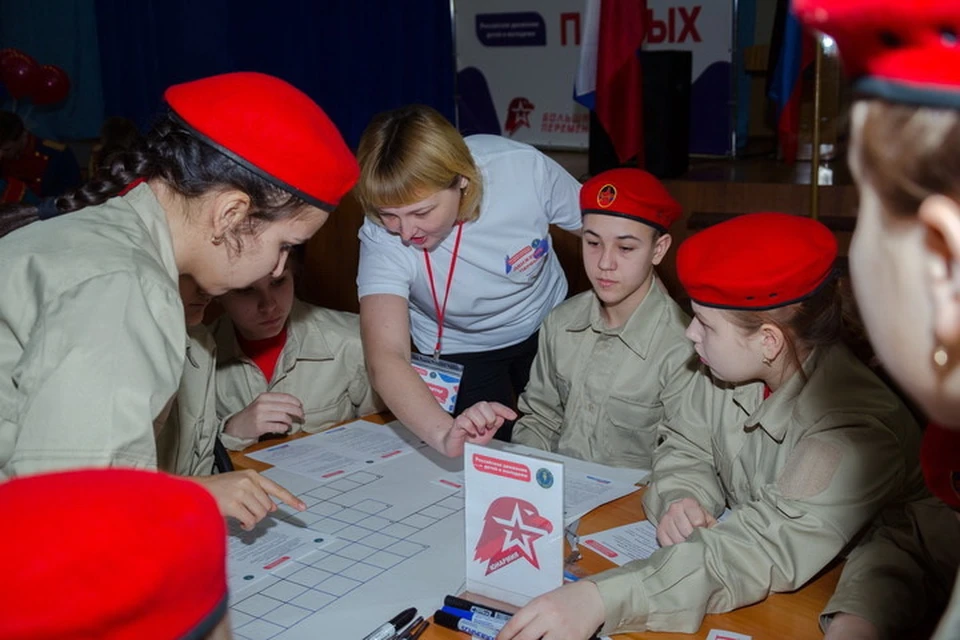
<point x="190" y="167"/>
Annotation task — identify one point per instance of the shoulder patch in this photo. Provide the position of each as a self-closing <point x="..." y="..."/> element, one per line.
<point x="809" y="469"/>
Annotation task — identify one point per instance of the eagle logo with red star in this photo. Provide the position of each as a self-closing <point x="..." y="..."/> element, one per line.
<point x="518" y="115"/>
<point x="606" y="195"/>
<point x="511" y="529"/>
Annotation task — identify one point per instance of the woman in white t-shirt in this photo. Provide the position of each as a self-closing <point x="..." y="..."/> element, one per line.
<point x="480" y="208"/>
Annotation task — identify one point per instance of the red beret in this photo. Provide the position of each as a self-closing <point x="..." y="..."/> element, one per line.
<point x="630" y="193"/>
<point x="271" y="128"/>
<point x="757" y="261"/>
<point x="900" y="50"/>
<point x="114" y="554"/>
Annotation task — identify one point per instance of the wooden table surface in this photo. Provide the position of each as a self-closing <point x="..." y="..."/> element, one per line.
<point x="781" y="616"/>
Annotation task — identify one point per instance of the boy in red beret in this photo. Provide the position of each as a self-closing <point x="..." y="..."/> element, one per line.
<point x="610" y="359"/>
<point x="903" y="60"/>
<point x="789" y="430"/>
<point x="112" y="554"/>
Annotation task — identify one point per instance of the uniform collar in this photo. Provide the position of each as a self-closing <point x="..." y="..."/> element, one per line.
<point x="640" y="329"/>
<point x="154" y="218"/>
<point x="200" y="345"/>
<point x="775" y="414"/>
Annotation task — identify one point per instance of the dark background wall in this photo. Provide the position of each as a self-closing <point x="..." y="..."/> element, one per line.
<point x="354" y="57"/>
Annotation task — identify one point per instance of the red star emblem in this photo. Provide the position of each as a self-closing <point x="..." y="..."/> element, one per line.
<point x="511" y="529"/>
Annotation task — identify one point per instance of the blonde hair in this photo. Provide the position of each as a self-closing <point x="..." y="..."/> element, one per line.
<point x="910" y="153"/>
<point x="409" y="154"/>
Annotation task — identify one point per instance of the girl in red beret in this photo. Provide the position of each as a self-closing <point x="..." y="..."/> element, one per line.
<point x="903" y="59"/>
<point x="785" y="427"/>
<point x="93" y="340"/>
<point x="456" y="252"/>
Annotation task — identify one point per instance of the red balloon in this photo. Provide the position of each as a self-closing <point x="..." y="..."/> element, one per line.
<point x="53" y="85"/>
<point x="19" y="72"/>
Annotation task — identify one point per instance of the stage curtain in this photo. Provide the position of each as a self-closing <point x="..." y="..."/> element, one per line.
<point x="355" y="58"/>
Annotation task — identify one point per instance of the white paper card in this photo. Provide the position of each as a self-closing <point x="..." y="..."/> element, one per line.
<point x="514" y="524"/>
<point x="720" y="634"/>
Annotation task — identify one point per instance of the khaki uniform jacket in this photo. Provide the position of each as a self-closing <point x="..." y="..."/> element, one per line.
<point x="903" y="571"/>
<point x="949" y="627"/>
<point x="321" y="364"/>
<point x="91" y="337"/>
<point x="599" y="394"/>
<point x="803" y="471"/>
<point x="185" y="443"/>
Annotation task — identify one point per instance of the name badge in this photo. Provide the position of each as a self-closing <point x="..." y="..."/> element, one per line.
<point x="442" y="377"/>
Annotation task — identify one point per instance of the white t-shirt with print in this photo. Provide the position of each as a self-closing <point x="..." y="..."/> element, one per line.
<point x="507" y="277"/>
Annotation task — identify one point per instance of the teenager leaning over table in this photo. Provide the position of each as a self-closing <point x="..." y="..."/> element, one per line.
<point x="903" y="59"/>
<point x="284" y="365"/>
<point x="612" y="360"/>
<point x="788" y="429"/>
<point x="92" y="334"/>
<point x="456" y="252"/>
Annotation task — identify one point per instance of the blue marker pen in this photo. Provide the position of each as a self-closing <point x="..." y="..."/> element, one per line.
<point x="473" y="616"/>
<point x="475" y="629"/>
<point x="466" y="605"/>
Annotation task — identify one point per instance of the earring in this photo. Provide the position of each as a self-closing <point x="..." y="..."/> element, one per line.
<point x="217" y="240"/>
<point x="766" y="361"/>
<point x="940" y="357"/>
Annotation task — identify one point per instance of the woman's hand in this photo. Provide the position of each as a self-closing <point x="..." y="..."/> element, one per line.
<point x="573" y="612"/>
<point x="247" y="495"/>
<point x="477" y="424"/>
<point x="268" y="413"/>
<point x="681" y="518"/>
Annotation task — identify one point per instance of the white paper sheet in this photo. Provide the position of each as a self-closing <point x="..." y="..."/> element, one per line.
<point x="634" y="541"/>
<point x="587" y="485"/>
<point x="395" y="540"/>
<point x="342" y="450"/>
<point x="252" y="555"/>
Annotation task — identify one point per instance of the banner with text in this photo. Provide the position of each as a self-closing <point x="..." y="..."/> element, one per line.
<point x="517" y="60"/>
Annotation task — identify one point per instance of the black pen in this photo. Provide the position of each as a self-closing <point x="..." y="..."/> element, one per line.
<point x="388" y="629"/>
<point x="405" y="634"/>
<point x="419" y="632"/>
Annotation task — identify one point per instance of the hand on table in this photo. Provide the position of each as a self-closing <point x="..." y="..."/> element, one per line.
<point x="268" y="413"/>
<point x="246" y="495"/>
<point x="847" y="626"/>
<point x="572" y="612"/>
<point x="680" y="519"/>
<point x="476" y="424"/>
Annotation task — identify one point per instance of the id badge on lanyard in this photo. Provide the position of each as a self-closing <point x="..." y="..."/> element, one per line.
<point x="442" y="377"/>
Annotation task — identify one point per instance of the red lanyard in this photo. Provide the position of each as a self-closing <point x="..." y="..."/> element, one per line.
<point x="441" y="311"/>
